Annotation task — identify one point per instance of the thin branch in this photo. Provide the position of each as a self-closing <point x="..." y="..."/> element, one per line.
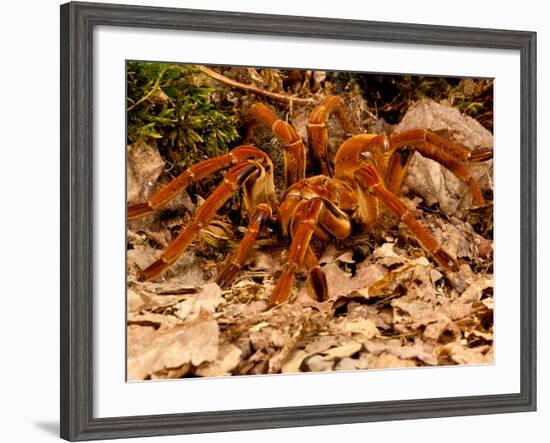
<point x="235" y="84"/>
<point x="150" y="93"/>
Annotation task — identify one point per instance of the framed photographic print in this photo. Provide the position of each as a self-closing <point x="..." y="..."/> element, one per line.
<point x="273" y="221"/>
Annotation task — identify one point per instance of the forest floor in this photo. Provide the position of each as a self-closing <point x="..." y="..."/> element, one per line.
<point x="389" y="305"/>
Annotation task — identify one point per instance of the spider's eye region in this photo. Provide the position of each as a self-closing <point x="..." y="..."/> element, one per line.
<point x="367" y="155"/>
<point x="386" y="144"/>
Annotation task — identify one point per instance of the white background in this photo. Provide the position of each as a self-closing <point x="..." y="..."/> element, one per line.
<point x="30" y="139"/>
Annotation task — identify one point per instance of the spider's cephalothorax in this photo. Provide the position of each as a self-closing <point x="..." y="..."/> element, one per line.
<point x="368" y="171"/>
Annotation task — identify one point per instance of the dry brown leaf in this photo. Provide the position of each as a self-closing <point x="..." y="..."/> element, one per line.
<point x="321" y="344"/>
<point x="442" y="331"/>
<point x="419" y="350"/>
<point x="342" y="284"/>
<point x="458" y="242"/>
<point x="152" y="351"/>
<point x="489" y="303"/>
<point x="487" y="336"/>
<point x="457" y="309"/>
<point x="259" y="326"/>
<point x="463" y="355"/>
<point x="142" y="256"/>
<point x="277" y="361"/>
<point x="365" y="328"/>
<point x="172" y="372"/>
<point x="385" y="255"/>
<point x="405" y="309"/>
<point x="328" y="346"/>
<point x="158" y="321"/>
<point x="485" y="247"/>
<point x="270" y="336"/>
<point x="134" y="238"/>
<point x="384" y="361"/>
<point x="346" y="257"/>
<point x="294" y="361"/>
<point x="329" y="255"/>
<point x="137" y="300"/>
<point x="346" y="350"/>
<point x="474" y="291"/>
<point x="163" y="238"/>
<point x="351" y="364"/>
<point x="228" y="358"/>
<point x="317" y="363"/>
<point x="207" y="300"/>
<point x="144" y="166"/>
<point x="141" y="300"/>
<point x="419" y="269"/>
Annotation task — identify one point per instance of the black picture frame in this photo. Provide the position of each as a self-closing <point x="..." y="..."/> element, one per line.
<point x="77" y="23"/>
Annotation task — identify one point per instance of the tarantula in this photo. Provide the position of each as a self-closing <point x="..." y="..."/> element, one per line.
<point x="368" y="170"/>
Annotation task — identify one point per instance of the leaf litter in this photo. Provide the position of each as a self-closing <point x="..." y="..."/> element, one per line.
<point x="388" y="305"/>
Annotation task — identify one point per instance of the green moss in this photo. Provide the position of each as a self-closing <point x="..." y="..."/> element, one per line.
<point x="170" y="106"/>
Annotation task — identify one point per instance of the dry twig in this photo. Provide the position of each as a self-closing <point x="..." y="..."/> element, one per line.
<point x="272" y="95"/>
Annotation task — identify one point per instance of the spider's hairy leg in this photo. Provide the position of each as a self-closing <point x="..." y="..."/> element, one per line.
<point x="437" y="148"/>
<point x="481" y="155"/>
<point x="233" y="180"/>
<point x="306" y="218"/>
<point x="235" y="261"/>
<point x="193" y="174"/>
<point x="294" y="149"/>
<point x="416" y="136"/>
<point x="460" y="171"/>
<point x="369" y="179"/>
<point x="318" y="134"/>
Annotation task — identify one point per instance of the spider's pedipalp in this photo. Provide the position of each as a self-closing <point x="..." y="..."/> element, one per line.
<point x="261" y="189"/>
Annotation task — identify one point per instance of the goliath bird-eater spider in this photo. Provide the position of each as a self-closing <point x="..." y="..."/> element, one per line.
<point x="367" y="172"/>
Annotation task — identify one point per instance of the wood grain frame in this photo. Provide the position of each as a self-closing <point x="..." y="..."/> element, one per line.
<point x="77" y="24"/>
